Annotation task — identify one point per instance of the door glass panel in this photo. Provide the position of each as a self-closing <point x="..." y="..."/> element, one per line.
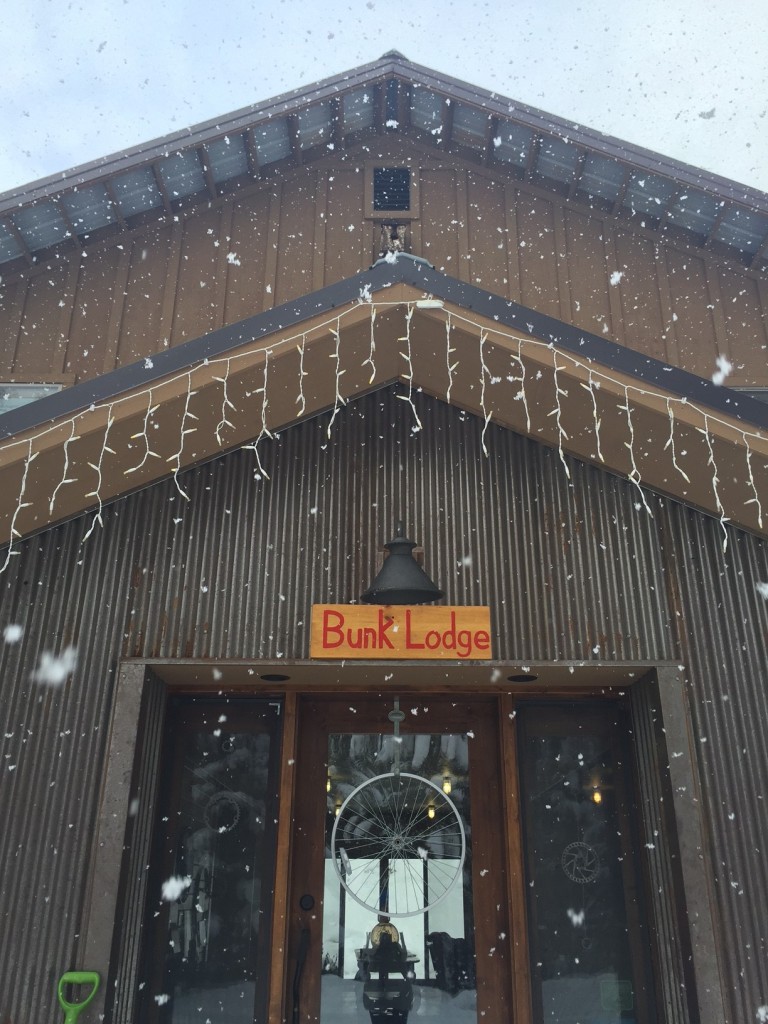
<point x="398" y="933"/>
<point x="207" y="957"/>
<point x="588" y="959"/>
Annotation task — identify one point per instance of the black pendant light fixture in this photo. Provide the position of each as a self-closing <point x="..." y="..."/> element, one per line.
<point x="401" y="579"/>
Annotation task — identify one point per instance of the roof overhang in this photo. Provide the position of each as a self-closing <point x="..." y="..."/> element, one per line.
<point x="661" y="427"/>
<point x="397" y="98"/>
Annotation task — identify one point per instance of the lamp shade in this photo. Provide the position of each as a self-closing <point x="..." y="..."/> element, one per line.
<point x="401" y="579"/>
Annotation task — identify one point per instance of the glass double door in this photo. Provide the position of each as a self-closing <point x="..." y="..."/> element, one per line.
<point x="398" y="902"/>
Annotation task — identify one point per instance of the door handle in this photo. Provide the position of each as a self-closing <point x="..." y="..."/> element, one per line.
<point x="301" y="957"/>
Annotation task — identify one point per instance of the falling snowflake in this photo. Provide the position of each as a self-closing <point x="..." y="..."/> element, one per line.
<point x="13" y="633"/>
<point x="762" y="589"/>
<point x="724" y="367"/>
<point x="576" y="917"/>
<point x="52" y="671"/>
<point x="174" y="886"/>
<point x="616" y="276"/>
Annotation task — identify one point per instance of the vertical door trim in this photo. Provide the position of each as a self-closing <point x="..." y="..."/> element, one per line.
<point x="278" y="977"/>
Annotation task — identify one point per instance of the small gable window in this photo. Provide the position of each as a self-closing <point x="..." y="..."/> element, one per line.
<point x="391" y="188"/>
<point x="391" y="192"/>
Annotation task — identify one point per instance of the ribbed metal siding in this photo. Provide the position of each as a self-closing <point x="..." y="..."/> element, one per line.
<point x="572" y="570"/>
<point x="725" y="627"/>
<point x="127" y="945"/>
<point x="53" y="748"/>
<point x="662" y="866"/>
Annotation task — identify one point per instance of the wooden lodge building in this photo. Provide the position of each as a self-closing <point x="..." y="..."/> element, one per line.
<point x="233" y="359"/>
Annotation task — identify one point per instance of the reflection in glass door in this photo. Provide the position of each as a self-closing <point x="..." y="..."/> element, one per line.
<point x="399" y="901"/>
<point x="207" y="949"/>
<point x="588" y="953"/>
<point x="397" y="818"/>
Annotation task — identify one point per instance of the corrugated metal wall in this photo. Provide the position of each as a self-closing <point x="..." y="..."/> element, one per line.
<point x="571" y="569"/>
<point x="724" y="630"/>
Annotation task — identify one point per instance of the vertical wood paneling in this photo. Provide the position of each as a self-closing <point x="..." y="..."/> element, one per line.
<point x="538" y="258"/>
<point x="692" y="312"/>
<point x="40" y="344"/>
<point x="12" y="295"/>
<point x="440" y="220"/>
<point x="295" y="251"/>
<point x="245" y="280"/>
<point x="745" y="325"/>
<point x="346" y="251"/>
<point x="295" y="233"/>
<point x="644" y="323"/>
<point x="141" y="333"/>
<point x="585" y="267"/>
<point x="487" y="235"/>
<point x="194" y="312"/>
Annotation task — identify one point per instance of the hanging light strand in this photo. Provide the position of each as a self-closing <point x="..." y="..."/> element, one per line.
<point x="524" y="346"/>
<point x="65" y="479"/>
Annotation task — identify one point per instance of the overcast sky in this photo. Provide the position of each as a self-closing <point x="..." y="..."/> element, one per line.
<point x="82" y="79"/>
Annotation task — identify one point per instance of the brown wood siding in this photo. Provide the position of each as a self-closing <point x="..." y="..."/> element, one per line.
<point x="538" y="256"/>
<point x="129" y="297"/>
<point x="692" y="308"/>
<point x="249" y="234"/>
<point x="589" y="275"/>
<point x="440" y="222"/>
<point x="93" y="300"/>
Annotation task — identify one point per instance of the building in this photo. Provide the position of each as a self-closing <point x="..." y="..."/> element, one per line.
<point x="261" y="343"/>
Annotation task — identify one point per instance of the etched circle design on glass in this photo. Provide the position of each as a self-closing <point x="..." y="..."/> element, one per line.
<point x="222" y="813"/>
<point x="580" y="862"/>
<point x="398" y="844"/>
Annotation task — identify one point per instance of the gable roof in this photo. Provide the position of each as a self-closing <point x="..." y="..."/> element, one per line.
<point x="389" y="96"/>
<point x="660" y="426"/>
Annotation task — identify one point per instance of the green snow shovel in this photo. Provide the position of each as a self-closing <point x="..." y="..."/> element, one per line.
<point x="73" y="1010"/>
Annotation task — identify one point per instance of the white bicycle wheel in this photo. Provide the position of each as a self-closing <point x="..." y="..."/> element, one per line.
<point x="398" y="844"/>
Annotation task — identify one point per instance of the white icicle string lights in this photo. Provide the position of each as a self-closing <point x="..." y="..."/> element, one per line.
<point x="20" y="504"/>
<point x="634" y="476"/>
<point x="64" y="478"/>
<point x="225" y="405"/>
<point x="372" y="350"/>
<point x="756" y="499"/>
<point x="144" y="435"/>
<point x="484" y="372"/>
<point x="592" y="386"/>
<point x="78" y="420"/>
<point x="671" y="442"/>
<point x="448" y="352"/>
<point x="521" y="395"/>
<point x="338" y="398"/>
<point x="176" y="457"/>
<point x="300" y="399"/>
<point x="557" y="413"/>
<point x="264" y="432"/>
<point x="407" y="356"/>
<point x="96" y="467"/>
<point x="715" y="480"/>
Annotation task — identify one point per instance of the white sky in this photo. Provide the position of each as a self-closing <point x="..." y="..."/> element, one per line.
<point x="82" y="79"/>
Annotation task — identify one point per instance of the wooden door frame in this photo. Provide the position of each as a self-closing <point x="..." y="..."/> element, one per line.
<point x="318" y="716"/>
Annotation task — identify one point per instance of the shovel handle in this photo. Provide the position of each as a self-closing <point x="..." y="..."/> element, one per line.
<point x="73" y="1010"/>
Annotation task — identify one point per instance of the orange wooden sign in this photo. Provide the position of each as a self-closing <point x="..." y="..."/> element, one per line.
<point x="390" y="632"/>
